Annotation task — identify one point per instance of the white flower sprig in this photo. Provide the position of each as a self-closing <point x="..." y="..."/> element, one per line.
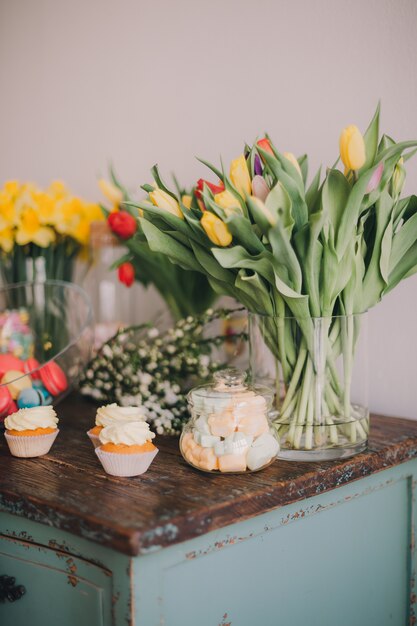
<point x="142" y="366"/>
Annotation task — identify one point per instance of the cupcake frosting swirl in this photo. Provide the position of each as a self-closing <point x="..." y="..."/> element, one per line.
<point x="31" y="419"/>
<point x="127" y="433"/>
<point x="112" y="413"/>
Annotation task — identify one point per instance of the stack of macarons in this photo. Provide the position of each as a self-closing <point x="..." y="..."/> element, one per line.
<point x="25" y="383"/>
<point x="123" y="440"/>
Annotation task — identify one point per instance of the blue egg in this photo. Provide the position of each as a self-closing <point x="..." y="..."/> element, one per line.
<point x="28" y="398"/>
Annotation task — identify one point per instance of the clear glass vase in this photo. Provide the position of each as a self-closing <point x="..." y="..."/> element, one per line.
<point x="319" y="368"/>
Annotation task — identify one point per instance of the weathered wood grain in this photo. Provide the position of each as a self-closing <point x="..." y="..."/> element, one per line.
<point x="172" y="502"/>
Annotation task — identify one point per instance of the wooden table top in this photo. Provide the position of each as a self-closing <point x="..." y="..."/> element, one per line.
<point x="172" y="502"/>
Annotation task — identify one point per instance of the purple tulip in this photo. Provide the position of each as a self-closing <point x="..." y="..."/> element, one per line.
<point x="375" y="178"/>
<point x="257" y="166"/>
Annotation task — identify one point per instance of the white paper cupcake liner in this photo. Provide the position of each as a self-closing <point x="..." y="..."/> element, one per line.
<point x="125" y="464"/>
<point x="94" y="439"/>
<point x="30" y="446"/>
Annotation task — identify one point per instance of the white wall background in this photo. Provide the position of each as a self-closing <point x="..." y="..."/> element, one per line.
<point x="85" y="81"/>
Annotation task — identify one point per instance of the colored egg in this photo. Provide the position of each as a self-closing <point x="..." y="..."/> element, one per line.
<point x="28" y="398"/>
<point x="16" y="382"/>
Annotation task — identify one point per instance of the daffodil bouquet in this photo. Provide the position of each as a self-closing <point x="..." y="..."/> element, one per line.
<point x="42" y="231"/>
<point x="184" y="292"/>
<point x="308" y="259"/>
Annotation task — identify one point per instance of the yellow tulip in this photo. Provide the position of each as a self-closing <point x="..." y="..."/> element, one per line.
<point x="292" y="159"/>
<point x="352" y="148"/>
<point x="186" y="200"/>
<point x="164" y="201"/>
<point x="216" y="230"/>
<point x="30" y="230"/>
<point x="6" y="239"/>
<point x="239" y="175"/>
<point x="227" y="201"/>
<point x="112" y="193"/>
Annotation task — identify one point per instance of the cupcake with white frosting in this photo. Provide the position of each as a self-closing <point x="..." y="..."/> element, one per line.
<point x="111" y="414"/>
<point x="126" y="448"/>
<point x="31" y="432"/>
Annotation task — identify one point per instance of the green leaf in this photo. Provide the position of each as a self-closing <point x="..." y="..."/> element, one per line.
<point x="371" y="140"/>
<point x="210" y="265"/>
<point x="312" y="193"/>
<point x="214" y="169"/>
<point x="374" y="283"/>
<point x="403" y="240"/>
<point x="279" y="203"/>
<point x="242" y="231"/>
<point x="284" y="253"/>
<point x="335" y="193"/>
<point x="164" y="243"/>
<point x="160" y="183"/>
<point x="299" y="207"/>
<point x="303" y="163"/>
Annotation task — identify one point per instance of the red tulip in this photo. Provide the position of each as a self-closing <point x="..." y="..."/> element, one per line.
<point x="265" y="144"/>
<point x="214" y="188"/>
<point x="126" y="274"/>
<point x="122" y="223"/>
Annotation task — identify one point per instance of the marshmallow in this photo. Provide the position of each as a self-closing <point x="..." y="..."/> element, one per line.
<point x="208" y="460"/>
<point x="208" y="441"/>
<point x="222" y="424"/>
<point x="262" y="451"/>
<point x="232" y="463"/>
<point x="253" y="424"/>
<point x="201" y="425"/>
<point x="237" y="443"/>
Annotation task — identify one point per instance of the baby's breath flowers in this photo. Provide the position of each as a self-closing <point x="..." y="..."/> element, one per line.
<point x="142" y="365"/>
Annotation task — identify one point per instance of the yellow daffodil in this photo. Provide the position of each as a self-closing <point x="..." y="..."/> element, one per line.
<point x="216" y="230"/>
<point x="164" y="201"/>
<point x="239" y="175"/>
<point x="186" y="200"/>
<point x="57" y="190"/>
<point x="30" y="230"/>
<point x="227" y="201"/>
<point x="6" y="239"/>
<point x="352" y="148"/>
<point x="11" y="187"/>
<point x="112" y="193"/>
<point x="292" y="159"/>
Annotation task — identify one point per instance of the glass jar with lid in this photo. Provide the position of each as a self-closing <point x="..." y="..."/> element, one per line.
<point x="229" y="429"/>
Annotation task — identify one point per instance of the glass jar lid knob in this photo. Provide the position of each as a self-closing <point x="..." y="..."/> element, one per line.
<point x="230" y="378"/>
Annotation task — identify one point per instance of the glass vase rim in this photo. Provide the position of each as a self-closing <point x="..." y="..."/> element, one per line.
<point x="54" y="283"/>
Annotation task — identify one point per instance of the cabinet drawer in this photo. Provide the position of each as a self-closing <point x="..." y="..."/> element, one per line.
<point x="60" y="588"/>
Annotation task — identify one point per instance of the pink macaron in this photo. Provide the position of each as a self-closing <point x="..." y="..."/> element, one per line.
<point x="6" y="402"/>
<point x="10" y="362"/>
<point x="30" y="365"/>
<point x="53" y="378"/>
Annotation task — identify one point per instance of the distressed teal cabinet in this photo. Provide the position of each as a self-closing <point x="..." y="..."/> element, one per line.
<point x="329" y="544"/>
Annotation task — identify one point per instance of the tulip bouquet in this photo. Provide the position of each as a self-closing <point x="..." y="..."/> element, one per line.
<point x="185" y="293"/>
<point x="42" y="231"/>
<point x="301" y="256"/>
